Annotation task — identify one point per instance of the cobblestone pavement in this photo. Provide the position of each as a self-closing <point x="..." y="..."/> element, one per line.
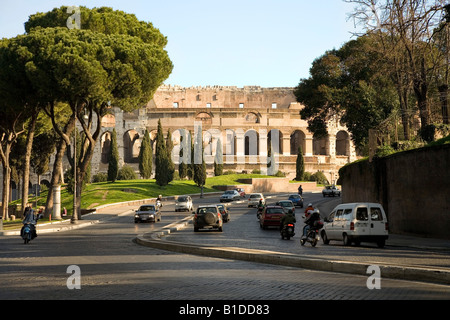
<point x="113" y="267"/>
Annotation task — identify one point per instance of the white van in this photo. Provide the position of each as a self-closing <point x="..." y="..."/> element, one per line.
<point x="356" y="222"/>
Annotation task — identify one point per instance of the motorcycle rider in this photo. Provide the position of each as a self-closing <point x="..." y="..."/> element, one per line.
<point x="310" y="220"/>
<point x="159" y="201"/>
<point x="309" y="208"/>
<point x="286" y="219"/>
<point x="300" y="190"/>
<point x="29" y="217"/>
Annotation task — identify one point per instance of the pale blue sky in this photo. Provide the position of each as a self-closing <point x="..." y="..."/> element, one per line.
<point x="269" y="43"/>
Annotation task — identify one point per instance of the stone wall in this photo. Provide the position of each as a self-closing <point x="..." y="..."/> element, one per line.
<point x="412" y="186"/>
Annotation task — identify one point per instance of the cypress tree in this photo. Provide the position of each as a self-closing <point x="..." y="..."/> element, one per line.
<point x="299" y="165"/>
<point x="146" y="157"/>
<point x="199" y="168"/>
<point x="170" y="164"/>
<point x="113" y="161"/>
<point x="182" y="167"/>
<point x="161" y="160"/>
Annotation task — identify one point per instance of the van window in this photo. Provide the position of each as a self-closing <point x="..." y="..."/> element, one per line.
<point x="347" y="215"/>
<point x="331" y="216"/>
<point x="376" y="214"/>
<point x="361" y="214"/>
<point x="339" y="214"/>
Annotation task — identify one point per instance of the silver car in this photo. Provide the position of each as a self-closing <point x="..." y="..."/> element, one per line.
<point x="254" y="198"/>
<point x="184" y="203"/>
<point x="147" y="213"/>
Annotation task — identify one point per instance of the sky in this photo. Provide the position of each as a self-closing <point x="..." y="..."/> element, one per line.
<point x="267" y="43"/>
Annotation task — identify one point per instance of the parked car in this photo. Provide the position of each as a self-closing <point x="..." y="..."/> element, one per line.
<point x="184" y="203"/>
<point x="224" y="211"/>
<point x="296" y="199"/>
<point x="356" y="222"/>
<point x="253" y="199"/>
<point x="331" y="191"/>
<point x="271" y="216"/>
<point x="241" y="192"/>
<point x="287" y="205"/>
<point x="230" y="195"/>
<point x="208" y="217"/>
<point x="147" y="213"/>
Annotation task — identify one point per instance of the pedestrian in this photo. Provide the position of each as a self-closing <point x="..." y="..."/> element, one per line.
<point x="300" y="190"/>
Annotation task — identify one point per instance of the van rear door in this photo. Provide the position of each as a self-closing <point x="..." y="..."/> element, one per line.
<point x="362" y="223"/>
<point x="377" y="221"/>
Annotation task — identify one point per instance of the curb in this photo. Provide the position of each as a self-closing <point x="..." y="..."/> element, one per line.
<point x="398" y="272"/>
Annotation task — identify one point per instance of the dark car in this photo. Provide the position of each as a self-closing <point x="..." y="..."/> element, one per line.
<point x="208" y="217"/>
<point x="224" y="211"/>
<point x="147" y="213"/>
<point x="271" y="216"/>
<point x="297" y="200"/>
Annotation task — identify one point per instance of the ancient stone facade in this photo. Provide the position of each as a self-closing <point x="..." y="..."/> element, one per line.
<point x="244" y="119"/>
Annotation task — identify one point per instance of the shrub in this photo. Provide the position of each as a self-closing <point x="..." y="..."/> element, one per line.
<point x="100" y="177"/>
<point x="127" y="173"/>
<point x="320" y="178"/>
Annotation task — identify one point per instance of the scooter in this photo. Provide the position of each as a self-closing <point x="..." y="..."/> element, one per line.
<point x="313" y="235"/>
<point x="28" y="233"/>
<point x="288" y="231"/>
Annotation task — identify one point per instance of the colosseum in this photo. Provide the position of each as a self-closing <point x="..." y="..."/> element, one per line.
<point x="244" y="119"/>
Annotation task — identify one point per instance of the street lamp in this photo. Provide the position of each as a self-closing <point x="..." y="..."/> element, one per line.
<point x="75" y="211"/>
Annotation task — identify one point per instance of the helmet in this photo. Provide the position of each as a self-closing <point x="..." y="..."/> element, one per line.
<point x="316" y="211"/>
<point x="310" y="204"/>
<point x="160" y="196"/>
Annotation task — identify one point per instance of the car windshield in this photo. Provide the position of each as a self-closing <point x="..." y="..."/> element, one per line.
<point x="205" y="210"/>
<point x="286" y="204"/>
<point x="182" y="199"/>
<point x="295" y="196"/>
<point x="275" y="210"/>
<point x="147" y="208"/>
<point x="229" y="192"/>
<point x="255" y="196"/>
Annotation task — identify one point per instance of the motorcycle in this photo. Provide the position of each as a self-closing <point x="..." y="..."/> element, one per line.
<point x="288" y="231"/>
<point x="28" y="231"/>
<point x="259" y="212"/>
<point x="313" y="234"/>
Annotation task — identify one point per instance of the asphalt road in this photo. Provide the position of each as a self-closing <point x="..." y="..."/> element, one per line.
<point x="110" y="266"/>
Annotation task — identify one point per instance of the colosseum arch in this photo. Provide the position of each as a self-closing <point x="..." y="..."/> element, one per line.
<point x="342" y="143"/>
<point x="251" y="143"/>
<point x="252" y="117"/>
<point x="321" y="145"/>
<point x="131" y="146"/>
<point x="274" y="146"/>
<point x="298" y="139"/>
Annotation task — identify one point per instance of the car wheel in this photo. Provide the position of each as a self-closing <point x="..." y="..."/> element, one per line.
<point x="325" y="238"/>
<point x="346" y="240"/>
